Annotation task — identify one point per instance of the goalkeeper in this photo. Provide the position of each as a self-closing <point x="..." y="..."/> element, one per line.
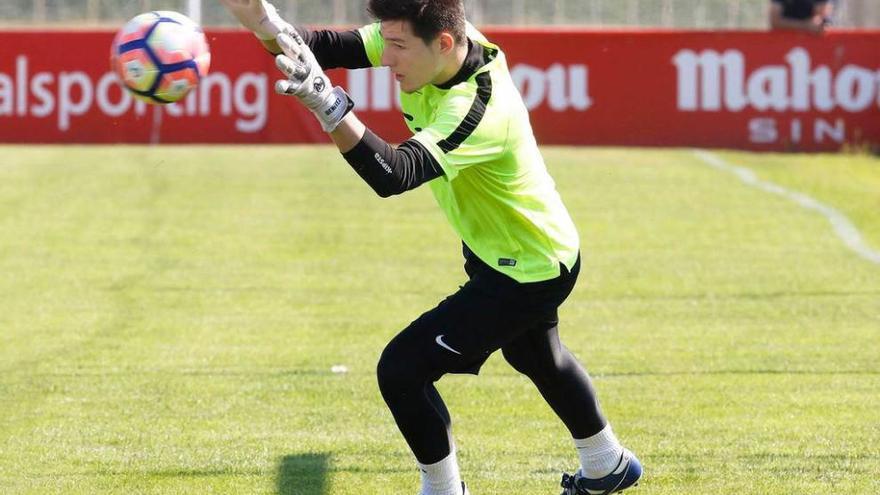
<point x="473" y="145"/>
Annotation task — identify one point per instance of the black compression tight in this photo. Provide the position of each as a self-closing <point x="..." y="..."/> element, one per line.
<point x="406" y="380"/>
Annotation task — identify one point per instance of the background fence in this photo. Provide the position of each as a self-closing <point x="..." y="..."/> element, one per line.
<point x="687" y="14"/>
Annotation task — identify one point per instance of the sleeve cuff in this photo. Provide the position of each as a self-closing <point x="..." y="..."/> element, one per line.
<point x="449" y="172"/>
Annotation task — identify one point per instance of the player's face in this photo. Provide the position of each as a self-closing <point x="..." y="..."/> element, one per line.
<point x="413" y="63"/>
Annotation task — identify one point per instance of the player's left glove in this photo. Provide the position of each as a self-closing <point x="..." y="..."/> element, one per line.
<point x="307" y="81"/>
<point x="260" y="16"/>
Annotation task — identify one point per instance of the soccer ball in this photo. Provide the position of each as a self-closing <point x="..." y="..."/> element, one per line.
<point x="160" y="56"/>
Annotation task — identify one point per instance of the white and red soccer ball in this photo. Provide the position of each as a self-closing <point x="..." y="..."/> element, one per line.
<point x="160" y="56"/>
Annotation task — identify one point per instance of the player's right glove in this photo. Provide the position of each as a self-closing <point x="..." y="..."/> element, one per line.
<point x="307" y="81"/>
<point x="260" y="16"/>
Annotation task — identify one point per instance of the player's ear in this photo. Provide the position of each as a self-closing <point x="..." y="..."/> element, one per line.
<point x="447" y="42"/>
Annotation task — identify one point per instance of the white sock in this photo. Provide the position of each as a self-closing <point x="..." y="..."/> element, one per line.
<point x="441" y="478"/>
<point x="599" y="453"/>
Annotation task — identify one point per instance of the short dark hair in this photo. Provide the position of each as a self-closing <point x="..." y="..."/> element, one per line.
<point x="428" y="18"/>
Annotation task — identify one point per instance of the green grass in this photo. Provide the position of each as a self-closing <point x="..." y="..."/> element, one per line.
<point x="169" y="317"/>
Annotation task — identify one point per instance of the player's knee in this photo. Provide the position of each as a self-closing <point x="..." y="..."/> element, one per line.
<point x="393" y="371"/>
<point x="387" y="371"/>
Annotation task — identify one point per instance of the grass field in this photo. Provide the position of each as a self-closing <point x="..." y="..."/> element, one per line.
<point x="169" y="318"/>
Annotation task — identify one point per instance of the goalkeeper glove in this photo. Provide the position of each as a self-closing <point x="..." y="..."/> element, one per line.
<point x="259" y="16"/>
<point x="307" y="81"/>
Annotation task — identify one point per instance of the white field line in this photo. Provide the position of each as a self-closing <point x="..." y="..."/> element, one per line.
<point x="845" y="230"/>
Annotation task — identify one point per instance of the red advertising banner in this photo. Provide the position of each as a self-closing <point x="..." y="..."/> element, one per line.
<point x="749" y="90"/>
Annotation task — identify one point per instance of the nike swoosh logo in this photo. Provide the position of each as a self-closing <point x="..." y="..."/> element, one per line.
<point x="439" y="341"/>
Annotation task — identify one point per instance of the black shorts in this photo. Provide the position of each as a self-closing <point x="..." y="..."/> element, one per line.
<point x="487" y="313"/>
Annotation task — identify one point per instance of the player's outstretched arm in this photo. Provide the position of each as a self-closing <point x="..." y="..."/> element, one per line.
<point x="387" y="170"/>
<point x="332" y="49"/>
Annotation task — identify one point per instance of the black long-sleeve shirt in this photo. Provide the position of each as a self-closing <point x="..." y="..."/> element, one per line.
<point x="336" y="49"/>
